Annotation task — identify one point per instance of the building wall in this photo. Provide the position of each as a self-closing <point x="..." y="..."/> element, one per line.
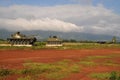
<point x="54" y="43"/>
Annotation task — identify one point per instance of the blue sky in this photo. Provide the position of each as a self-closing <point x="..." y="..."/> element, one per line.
<point x="33" y="2"/>
<point x="110" y="4"/>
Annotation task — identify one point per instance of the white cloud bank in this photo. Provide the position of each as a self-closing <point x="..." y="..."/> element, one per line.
<point x="63" y="18"/>
<point x="45" y="24"/>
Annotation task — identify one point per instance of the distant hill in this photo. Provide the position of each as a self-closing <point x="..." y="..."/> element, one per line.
<point x="43" y="35"/>
<point x="4" y="34"/>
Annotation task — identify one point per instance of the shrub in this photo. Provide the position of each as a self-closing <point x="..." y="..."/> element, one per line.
<point x="5" y="72"/>
<point x="106" y="76"/>
<point x="26" y="71"/>
<point x="113" y="76"/>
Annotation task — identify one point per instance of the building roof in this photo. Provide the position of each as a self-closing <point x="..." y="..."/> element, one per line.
<point x="54" y="38"/>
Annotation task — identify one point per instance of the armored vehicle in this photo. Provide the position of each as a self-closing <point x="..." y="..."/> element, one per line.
<point x="18" y="39"/>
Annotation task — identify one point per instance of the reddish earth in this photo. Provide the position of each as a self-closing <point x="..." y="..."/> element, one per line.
<point x="15" y="58"/>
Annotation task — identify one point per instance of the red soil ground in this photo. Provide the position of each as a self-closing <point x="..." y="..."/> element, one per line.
<point x="15" y="58"/>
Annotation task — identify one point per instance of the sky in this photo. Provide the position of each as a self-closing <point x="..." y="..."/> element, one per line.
<point x="86" y="16"/>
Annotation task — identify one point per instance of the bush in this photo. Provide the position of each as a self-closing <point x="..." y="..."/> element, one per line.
<point x="106" y="76"/>
<point x="113" y="76"/>
<point x="4" y="72"/>
<point x="26" y="71"/>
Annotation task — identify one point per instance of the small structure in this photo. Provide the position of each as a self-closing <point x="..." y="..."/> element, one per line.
<point x="54" y="41"/>
<point x="18" y="39"/>
<point x="114" y="40"/>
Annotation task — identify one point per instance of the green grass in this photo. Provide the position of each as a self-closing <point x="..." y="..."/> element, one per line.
<point x="90" y="60"/>
<point x="13" y="48"/>
<point x="21" y="47"/>
<point x="25" y="78"/>
<point x="101" y="57"/>
<point x="100" y="76"/>
<point x="106" y="76"/>
<point x="51" y="71"/>
<point x="110" y="63"/>
<point x="98" y="57"/>
<point x="89" y="46"/>
<point x="75" y="68"/>
<point x="3" y="42"/>
<point x="56" y="75"/>
<point x="87" y="63"/>
<point x="41" y="45"/>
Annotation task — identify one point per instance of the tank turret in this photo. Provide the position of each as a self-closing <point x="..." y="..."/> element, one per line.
<point x="18" y="35"/>
<point x="18" y="39"/>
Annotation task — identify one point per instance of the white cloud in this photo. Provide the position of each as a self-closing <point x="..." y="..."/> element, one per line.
<point x="45" y="24"/>
<point x="64" y="18"/>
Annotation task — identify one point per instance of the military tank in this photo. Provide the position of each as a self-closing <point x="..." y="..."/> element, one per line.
<point x="18" y="39"/>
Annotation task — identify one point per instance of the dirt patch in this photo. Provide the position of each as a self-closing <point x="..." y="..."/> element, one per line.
<point x="15" y="58"/>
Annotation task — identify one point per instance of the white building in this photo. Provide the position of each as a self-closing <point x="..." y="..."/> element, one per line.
<point x="54" y="41"/>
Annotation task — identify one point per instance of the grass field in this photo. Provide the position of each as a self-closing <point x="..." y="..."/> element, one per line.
<point x="89" y="46"/>
<point x="41" y="45"/>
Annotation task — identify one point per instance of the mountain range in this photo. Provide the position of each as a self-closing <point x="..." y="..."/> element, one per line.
<point x="43" y="35"/>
